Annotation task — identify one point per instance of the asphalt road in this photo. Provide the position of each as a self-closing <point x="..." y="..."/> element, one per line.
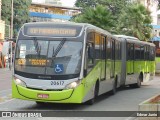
<point x="126" y="99"/>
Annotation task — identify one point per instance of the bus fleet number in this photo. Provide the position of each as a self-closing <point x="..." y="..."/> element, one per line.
<point x="57" y="82"/>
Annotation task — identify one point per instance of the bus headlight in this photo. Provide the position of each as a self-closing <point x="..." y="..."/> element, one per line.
<point x="19" y="82"/>
<point x="72" y="85"/>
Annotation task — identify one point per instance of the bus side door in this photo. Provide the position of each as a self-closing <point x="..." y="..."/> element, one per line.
<point x="112" y="58"/>
<point x="130" y="58"/>
<point x="103" y="57"/>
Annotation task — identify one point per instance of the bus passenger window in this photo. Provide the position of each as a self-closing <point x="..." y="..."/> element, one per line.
<point x="147" y="53"/>
<point x="137" y="52"/>
<point x="142" y="52"/>
<point x="128" y="51"/>
<point x="97" y="49"/>
<point x="152" y="54"/>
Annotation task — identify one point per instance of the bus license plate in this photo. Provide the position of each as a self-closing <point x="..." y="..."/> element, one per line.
<point x="43" y="95"/>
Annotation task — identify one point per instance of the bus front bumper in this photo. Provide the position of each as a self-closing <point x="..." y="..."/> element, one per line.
<point x="64" y="96"/>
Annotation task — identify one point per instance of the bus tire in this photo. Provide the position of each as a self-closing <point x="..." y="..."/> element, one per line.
<point x="96" y="90"/>
<point x="114" y="89"/>
<point x="139" y="80"/>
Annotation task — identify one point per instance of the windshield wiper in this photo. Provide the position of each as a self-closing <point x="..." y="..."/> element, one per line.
<point x="37" y="47"/>
<point x="58" y="48"/>
<point x="55" y="52"/>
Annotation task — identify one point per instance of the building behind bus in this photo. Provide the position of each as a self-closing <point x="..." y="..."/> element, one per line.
<point x="51" y="10"/>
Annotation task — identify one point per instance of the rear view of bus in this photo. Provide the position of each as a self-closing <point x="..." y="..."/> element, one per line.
<point x="48" y="63"/>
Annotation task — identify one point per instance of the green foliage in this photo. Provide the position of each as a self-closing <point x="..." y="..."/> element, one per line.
<point x="21" y="13"/>
<point x="100" y="17"/>
<point x="6" y="11"/>
<point x="111" y="8"/>
<point x="118" y="17"/>
<point x="158" y="4"/>
<point x="115" y="6"/>
<point x="135" y="21"/>
<point x="20" y="16"/>
<point x="86" y="3"/>
<point x="6" y="15"/>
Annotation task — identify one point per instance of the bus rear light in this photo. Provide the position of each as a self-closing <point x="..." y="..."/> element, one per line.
<point x="19" y="82"/>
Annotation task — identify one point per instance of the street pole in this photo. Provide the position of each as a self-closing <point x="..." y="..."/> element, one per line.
<point x="11" y="35"/>
<point x="11" y="29"/>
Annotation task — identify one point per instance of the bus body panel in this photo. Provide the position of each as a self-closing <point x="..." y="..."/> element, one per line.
<point x="137" y="66"/>
<point x="80" y="94"/>
<point x="123" y="68"/>
<point x="158" y="64"/>
<point x="110" y="68"/>
<point x="66" y="96"/>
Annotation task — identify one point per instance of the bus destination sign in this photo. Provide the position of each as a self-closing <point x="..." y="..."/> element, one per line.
<point x="51" y="31"/>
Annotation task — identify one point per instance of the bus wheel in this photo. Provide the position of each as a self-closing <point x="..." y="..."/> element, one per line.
<point x="138" y="84"/>
<point x="91" y="101"/>
<point x="114" y="89"/>
<point x="139" y="80"/>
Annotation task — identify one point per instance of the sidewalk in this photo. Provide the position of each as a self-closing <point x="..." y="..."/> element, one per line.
<point x="5" y="84"/>
<point x="5" y="78"/>
<point x="156" y="84"/>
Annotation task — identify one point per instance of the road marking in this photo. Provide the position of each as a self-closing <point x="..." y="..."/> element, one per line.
<point x="7" y="101"/>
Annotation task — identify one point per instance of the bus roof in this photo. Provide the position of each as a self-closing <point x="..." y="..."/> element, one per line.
<point x="65" y="23"/>
<point x="134" y="39"/>
<point x="125" y="36"/>
<point x="68" y="22"/>
<point x="82" y="25"/>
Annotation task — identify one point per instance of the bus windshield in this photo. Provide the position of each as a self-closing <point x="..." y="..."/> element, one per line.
<point x="47" y="57"/>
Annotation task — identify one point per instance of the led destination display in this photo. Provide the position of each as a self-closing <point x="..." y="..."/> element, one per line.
<point x="52" y="31"/>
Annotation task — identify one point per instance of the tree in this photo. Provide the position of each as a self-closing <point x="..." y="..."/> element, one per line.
<point x="124" y="17"/>
<point x="86" y="3"/>
<point x="112" y="6"/>
<point x="6" y="14"/>
<point x="115" y="6"/>
<point x="135" y="21"/>
<point x="21" y="13"/>
<point x="100" y="17"/>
